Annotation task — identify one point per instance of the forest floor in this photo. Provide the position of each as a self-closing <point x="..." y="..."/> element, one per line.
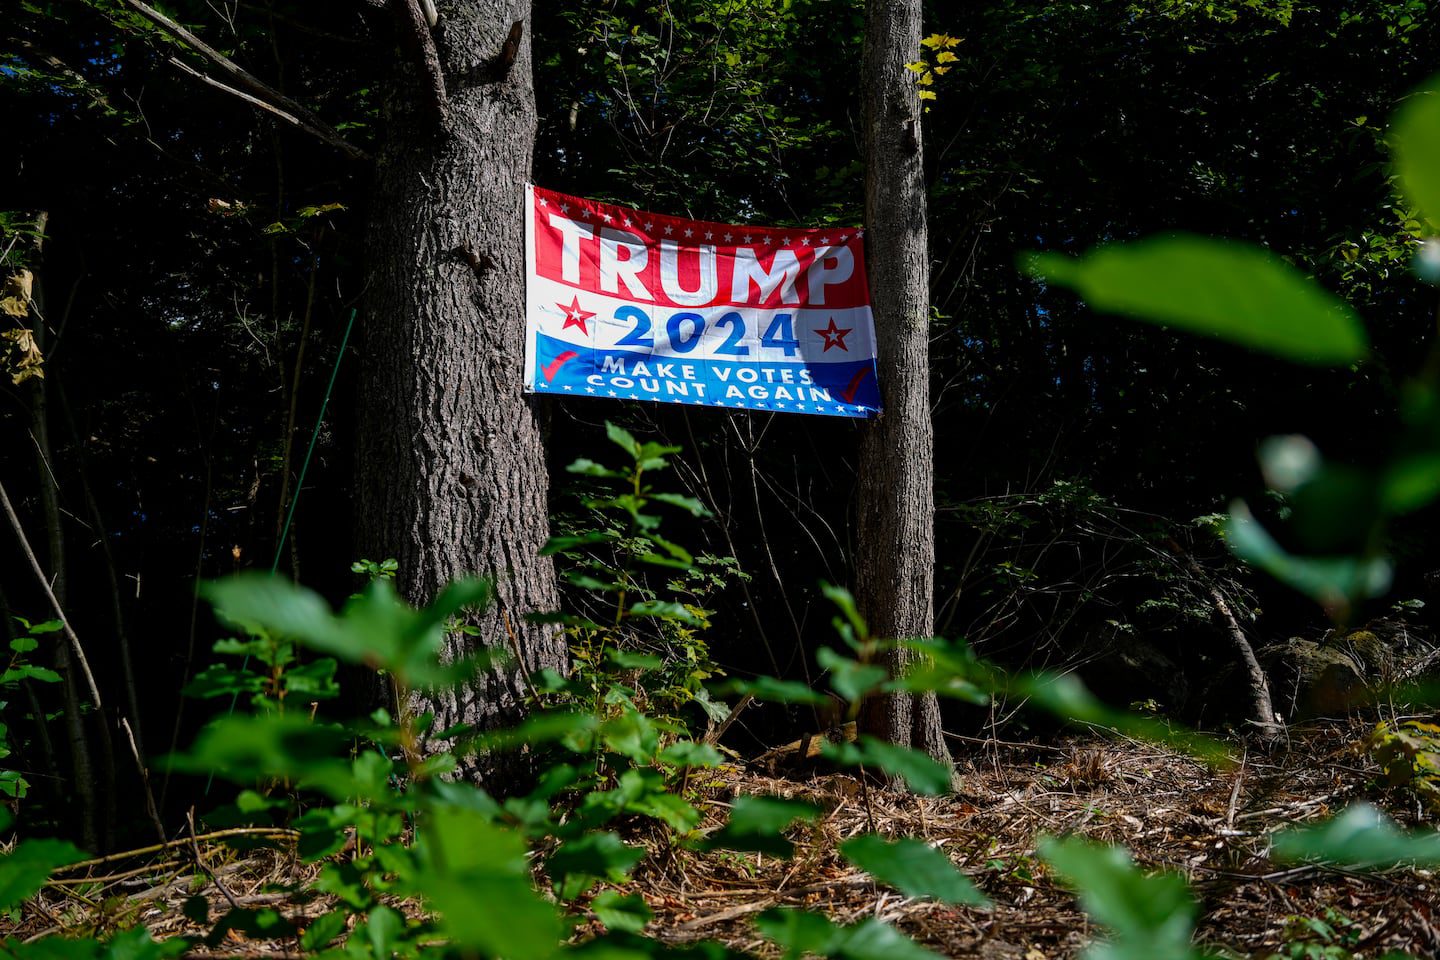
<point x="1170" y="810"/>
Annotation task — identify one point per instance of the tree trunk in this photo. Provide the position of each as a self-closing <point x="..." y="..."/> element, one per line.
<point x="896" y="552"/>
<point x="452" y="474"/>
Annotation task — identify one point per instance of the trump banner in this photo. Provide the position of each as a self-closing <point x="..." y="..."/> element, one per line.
<point x="623" y="304"/>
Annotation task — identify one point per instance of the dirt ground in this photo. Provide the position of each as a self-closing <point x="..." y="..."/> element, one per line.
<point x="1171" y="811"/>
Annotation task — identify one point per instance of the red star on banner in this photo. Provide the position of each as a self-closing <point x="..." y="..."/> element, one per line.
<point x="575" y="317"/>
<point x="834" y="336"/>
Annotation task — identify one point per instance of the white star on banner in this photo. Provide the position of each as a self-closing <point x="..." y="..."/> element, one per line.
<point x="669" y="230"/>
<point x="844" y="237"/>
<point x="634" y="397"/>
<point x="568" y="387"/>
<point x="729" y="237"/>
<point x="825" y="240"/>
<point x="766" y="241"/>
<point x="589" y="389"/>
<point x="607" y="217"/>
<point x="745" y="239"/>
<point x="539" y="384"/>
<point x="805" y="240"/>
<point x="650" y="225"/>
<point x="689" y="232"/>
<point x="780" y="405"/>
<point x="614" y="394"/>
<point x="799" y="406"/>
<point x="859" y="233"/>
<point x="564" y="208"/>
<point x="544" y="202"/>
<point x="708" y="235"/>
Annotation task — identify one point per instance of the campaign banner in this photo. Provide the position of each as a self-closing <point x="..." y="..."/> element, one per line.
<point x="627" y="305"/>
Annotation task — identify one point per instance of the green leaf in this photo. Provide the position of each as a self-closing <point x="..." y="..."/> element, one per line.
<point x="873" y="939"/>
<point x="800" y="932"/>
<point x="602" y="854"/>
<point x="136" y="944"/>
<point x="629" y="660"/>
<point x="852" y="627"/>
<point x="1066" y="696"/>
<point x="688" y="753"/>
<point x="772" y="690"/>
<point x="1411" y="482"/>
<point x="383" y="926"/>
<point x="617" y="912"/>
<point x="689" y="504"/>
<point x="1362" y="838"/>
<point x="1415" y="147"/>
<point x="756" y="822"/>
<point x="245" y="748"/>
<point x="323" y="929"/>
<point x="477" y="877"/>
<point x="913" y="867"/>
<point x="631" y="734"/>
<point x="590" y="468"/>
<point x="1330" y="580"/>
<point x="24" y="870"/>
<point x="921" y="772"/>
<point x="1150" y="915"/>
<point x="622" y="438"/>
<point x="1218" y="288"/>
<point x="663" y="610"/>
<point x="223" y="680"/>
<point x="850" y="678"/>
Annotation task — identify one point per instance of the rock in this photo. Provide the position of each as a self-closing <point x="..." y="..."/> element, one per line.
<point x="1315" y="679"/>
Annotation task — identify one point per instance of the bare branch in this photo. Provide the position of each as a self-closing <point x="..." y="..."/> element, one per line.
<point x="322" y="133"/>
<point x="302" y="117"/>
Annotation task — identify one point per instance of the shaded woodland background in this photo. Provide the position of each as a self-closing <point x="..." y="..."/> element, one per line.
<point x="201" y="260"/>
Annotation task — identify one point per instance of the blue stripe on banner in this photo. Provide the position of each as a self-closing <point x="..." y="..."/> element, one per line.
<point x="842" y="389"/>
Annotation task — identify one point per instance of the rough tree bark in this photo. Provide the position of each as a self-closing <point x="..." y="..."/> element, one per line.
<point x="452" y="475"/>
<point x="895" y="558"/>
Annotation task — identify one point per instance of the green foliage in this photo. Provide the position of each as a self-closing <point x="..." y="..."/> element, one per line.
<point x="1409" y="756"/>
<point x="1332" y="937"/>
<point x="913" y="867"/>
<point x="1216" y="288"/>
<point x="1362" y="838"/>
<point x="1415" y="144"/>
<point x="24" y="869"/>
<point x="640" y="660"/>
<point x="1150" y="917"/>
<point x="19" y="668"/>
<point x="1338" y="512"/>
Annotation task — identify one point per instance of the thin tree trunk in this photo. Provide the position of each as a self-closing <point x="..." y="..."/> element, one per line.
<point x="896" y="551"/>
<point x="452" y="474"/>
<point x="112" y="573"/>
<point x="81" y="763"/>
<point x="1268" y="725"/>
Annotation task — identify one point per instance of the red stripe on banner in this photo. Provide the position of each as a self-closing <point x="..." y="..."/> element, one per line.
<point x="672" y="262"/>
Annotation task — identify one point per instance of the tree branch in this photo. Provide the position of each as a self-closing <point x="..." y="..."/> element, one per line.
<point x="322" y="132"/>
<point x="420" y="45"/>
<point x="288" y="108"/>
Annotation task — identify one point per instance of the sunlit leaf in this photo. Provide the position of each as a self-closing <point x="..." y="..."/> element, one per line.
<point x="1415" y="146"/>
<point x="1218" y="288"/>
<point x="913" y="867"/>
<point x="1361" y="837"/>
<point x="756" y="823"/>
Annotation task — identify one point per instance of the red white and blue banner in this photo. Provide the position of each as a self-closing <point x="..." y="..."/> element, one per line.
<point x="627" y="305"/>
